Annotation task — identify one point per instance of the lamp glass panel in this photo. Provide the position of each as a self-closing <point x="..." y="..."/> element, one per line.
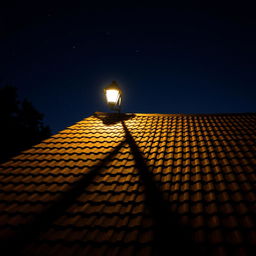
<point x="112" y="96"/>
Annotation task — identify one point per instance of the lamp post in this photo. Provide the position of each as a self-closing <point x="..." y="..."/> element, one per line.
<point x="113" y="95"/>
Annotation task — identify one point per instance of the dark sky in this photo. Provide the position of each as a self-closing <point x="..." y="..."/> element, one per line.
<point x="170" y="59"/>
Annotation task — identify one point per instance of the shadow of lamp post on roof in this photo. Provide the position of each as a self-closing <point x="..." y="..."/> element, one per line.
<point x="166" y="226"/>
<point x="113" y="94"/>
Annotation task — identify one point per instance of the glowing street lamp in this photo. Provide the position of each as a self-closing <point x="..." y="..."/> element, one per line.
<point x="113" y="95"/>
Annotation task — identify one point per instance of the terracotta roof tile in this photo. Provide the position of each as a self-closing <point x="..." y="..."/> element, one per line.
<point x="134" y="184"/>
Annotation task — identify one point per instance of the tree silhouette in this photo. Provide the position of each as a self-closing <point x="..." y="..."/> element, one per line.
<point x="21" y="125"/>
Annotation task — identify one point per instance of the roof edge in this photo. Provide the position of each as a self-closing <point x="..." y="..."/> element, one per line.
<point x="180" y="114"/>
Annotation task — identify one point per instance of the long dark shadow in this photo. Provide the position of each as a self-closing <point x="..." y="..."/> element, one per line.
<point x="170" y="237"/>
<point x="28" y="233"/>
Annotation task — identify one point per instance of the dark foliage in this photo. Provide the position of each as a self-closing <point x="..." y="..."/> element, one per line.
<point x="21" y="125"/>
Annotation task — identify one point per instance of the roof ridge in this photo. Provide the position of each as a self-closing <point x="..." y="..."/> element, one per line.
<point x="176" y="114"/>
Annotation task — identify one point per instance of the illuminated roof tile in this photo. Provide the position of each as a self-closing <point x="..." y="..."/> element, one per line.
<point x="121" y="184"/>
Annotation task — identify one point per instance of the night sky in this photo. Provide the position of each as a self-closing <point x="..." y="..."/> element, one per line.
<point x="169" y="59"/>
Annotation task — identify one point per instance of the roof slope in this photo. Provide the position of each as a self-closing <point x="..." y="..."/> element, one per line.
<point x="134" y="184"/>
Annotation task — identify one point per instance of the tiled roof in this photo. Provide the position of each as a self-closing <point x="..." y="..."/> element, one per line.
<point x="134" y="184"/>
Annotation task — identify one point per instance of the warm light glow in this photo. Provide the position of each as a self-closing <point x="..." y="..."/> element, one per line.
<point x="112" y="96"/>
